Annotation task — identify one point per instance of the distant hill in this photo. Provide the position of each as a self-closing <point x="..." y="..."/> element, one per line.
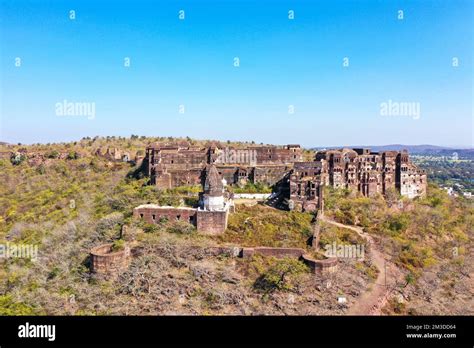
<point x="413" y="149"/>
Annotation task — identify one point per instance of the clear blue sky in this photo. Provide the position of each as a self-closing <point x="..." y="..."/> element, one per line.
<point x="282" y="62"/>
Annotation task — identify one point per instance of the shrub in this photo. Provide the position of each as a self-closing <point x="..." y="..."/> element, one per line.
<point x="180" y="227"/>
<point x="150" y="228"/>
<point x="281" y="276"/>
<point x="40" y="169"/>
<point x="398" y="223"/>
<point x="410" y="278"/>
<point x="263" y="226"/>
<point x="72" y="155"/>
<point x="253" y="188"/>
<point x="109" y="225"/>
<point x="17" y="158"/>
<point x="118" y="245"/>
<point x="52" y="154"/>
<point x="163" y="220"/>
<point x="9" y="307"/>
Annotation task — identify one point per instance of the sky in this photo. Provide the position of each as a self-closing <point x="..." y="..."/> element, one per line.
<point x="339" y="72"/>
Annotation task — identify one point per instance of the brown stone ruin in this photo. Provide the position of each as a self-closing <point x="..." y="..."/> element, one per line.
<point x="106" y="261"/>
<point x="302" y="182"/>
<point x="361" y="170"/>
<point x="210" y="217"/>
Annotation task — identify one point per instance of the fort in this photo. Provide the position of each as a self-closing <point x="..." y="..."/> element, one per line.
<point x="299" y="183"/>
<point x="180" y="164"/>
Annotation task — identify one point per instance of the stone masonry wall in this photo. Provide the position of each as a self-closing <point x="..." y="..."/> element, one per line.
<point x="105" y="261"/>
<point x="322" y="266"/>
<point x="212" y="222"/>
<point x="152" y="214"/>
<point x="275" y="252"/>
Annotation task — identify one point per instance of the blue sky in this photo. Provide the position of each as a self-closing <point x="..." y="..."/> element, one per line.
<point x="283" y="62"/>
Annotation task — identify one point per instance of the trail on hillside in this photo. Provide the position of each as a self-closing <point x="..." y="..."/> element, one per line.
<point x="372" y="301"/>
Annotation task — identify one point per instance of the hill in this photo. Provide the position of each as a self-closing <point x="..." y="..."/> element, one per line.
<point x="67" y="198"/>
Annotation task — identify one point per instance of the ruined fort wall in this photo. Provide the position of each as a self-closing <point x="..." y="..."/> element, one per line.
<point x="372" y="173"/>
<point x="360" y="169"/>
<point x="270" y="175"/>
<point x="153" y="214"/>
<point x="275" y="155"/>
<point x="212" y="222"/>
<point x="103" y="260"/>
<point x="185" y="178"/>
<point x="316" y="266"/>
<point x="229" y="173"/>
<point x="295" y="253"/>
<point x="320" y="266"/>
<point x="413" y="184"/>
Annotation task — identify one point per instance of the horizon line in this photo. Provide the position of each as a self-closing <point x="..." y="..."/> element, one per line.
<point x="463" y="147"/>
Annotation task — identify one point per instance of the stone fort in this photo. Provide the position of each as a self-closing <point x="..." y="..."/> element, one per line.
<point x="298" y="182"/>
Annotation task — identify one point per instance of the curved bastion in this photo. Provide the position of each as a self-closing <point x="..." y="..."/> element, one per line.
<point x="104" y="260"/>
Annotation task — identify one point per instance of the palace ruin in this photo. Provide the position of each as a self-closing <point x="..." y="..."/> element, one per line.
<point x="299" y="183"/>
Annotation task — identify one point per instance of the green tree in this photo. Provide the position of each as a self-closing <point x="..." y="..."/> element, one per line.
<point x="281" y="276"/>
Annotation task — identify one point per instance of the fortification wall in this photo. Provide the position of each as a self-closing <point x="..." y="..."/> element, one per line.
<point x="323" y="266"/>
<point x="212" y="222"/>
<point x="275" y="252"/>
<point x="103" y="260"/>
<point x="154" y="213"/>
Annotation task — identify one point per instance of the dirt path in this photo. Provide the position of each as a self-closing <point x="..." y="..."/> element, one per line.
<point x="372" y="301"/>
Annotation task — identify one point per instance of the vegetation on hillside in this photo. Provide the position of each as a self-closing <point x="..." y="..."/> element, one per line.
<point x="261" y="225"/>
<point x="74" y="200"/>
<point x="250" y="187"/>
<point x="416" y="233"/>
<point x="449" y="171"/>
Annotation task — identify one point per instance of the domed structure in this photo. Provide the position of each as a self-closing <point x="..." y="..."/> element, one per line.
<point x="213" y="195"/>
<point x="213" y="185"/>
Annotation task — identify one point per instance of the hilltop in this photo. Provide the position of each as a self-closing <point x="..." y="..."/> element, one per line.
<point x="69" y="197"/>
